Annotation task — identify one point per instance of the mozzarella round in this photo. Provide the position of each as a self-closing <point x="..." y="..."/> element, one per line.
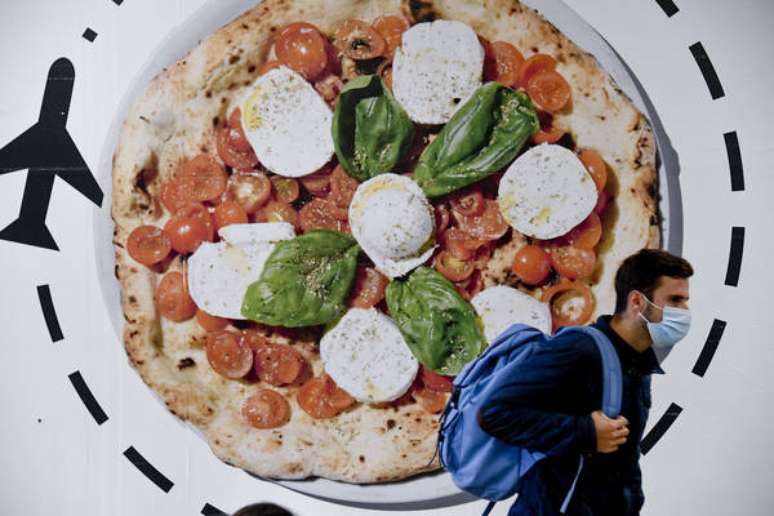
<point x="501" y="306"/>
<point x="546" y="192"/>
<point x="287" y="123"/>
<point x="367" y="356"/>
<point x="437" y="67"/>
<point x="393" y="222"/>
<point x="219" y="273"/>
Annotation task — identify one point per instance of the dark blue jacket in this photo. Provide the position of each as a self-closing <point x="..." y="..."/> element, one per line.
<point x="548" y="409"/>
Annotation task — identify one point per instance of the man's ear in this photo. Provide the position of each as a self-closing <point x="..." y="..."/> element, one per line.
<point x="635" y="302"/>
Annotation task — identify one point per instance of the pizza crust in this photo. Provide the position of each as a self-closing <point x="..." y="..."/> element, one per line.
<point x="176" y="117"/>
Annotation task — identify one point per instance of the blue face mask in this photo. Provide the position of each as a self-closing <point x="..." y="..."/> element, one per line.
<point x="673" y="326"/>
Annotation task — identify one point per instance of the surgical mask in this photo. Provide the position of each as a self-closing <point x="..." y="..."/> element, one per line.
<point x="673" y="326"/>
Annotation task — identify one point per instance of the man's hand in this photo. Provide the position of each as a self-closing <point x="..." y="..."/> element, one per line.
<point x="611" y="433"/>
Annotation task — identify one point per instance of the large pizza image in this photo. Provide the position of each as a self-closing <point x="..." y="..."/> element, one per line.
<point x="327" y="209"/>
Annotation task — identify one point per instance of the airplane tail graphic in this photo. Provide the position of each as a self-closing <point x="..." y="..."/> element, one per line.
<point x="29" y="232"/>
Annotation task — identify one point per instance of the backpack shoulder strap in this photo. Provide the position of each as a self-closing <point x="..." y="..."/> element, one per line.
<point x="612" y="381"/>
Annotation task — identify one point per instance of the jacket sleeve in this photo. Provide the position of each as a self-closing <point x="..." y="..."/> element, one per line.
<point x="516" y="413"/>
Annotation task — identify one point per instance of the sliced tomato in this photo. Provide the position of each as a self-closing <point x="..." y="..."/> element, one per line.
<point x="452" y="267"/>
<point x="199" y="211"/>
<point x="471" y="286"/>
<point x="603" y="199"/>
<point x="460" y="244"/>
<point x="278" y="364"/>
<point x="358" y="40"/>
<point x="148" y="245"/>
<point x="441" y="218"/>
<point x="430" y="400"/>
<point x="321" y="398"/>
<point x="238" y="139"/>
<point x="533" y="65"/>
<point x="210" y="322"/>
<point x="571" y="303"/>
<point x="435" y="381"/>
<point x="391" y="28"/>
<point x="549" y="90"/>
<point x="550" y="135"/>
<point x="173" y="196"/>
<point x="251" y="190"/>
<point x="369" y="288"/>
<point x="587" y="234"/>
<point x="318" y="183"/>
<point x="172" y="298"/>
<point x="253" y="339"/>
<point x="229" y="212"/>
<point x="266" y="409"/>
<point x="321" y="214"/>
<point x="301" y="47"/>
<point x="343" y="187"/>
<point x="228" y="355"/>
<point x="269" y="65"/>
<point x="596" y="167"/>
<point x="469" y="202"/>
<point x="186" y="233"/>
<point x="286" y="189"/>
<point x="277" y="211"/>
<point x="202" y="178"/>
<point x="329" y="88"/>
<point x="532" y="264"/>
<point x="507" y="63"/>
<point x="573" y="262"/>
<point x="233" y="147"/>
<point x="489" y="224"/>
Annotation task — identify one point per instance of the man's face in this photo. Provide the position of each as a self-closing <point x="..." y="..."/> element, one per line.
<point x="670" y="292"/>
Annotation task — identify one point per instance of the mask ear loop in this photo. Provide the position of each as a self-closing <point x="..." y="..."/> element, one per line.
<point x="651" y="303"/>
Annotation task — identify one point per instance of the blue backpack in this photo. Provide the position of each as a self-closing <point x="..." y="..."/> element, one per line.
<point x="484" y="465"/>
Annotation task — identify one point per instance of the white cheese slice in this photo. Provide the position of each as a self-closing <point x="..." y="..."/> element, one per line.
<point x="367" y="356"/>
<point x="438" y="66"/>
<point x="219" y="273"/>
<point x="287" y="123"/>
<point x="501" y="306"/>
<point x="546" y="192"/>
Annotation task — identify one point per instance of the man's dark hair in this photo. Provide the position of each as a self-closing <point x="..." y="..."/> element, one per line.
<point x="642" y="270"/>
<point x="263" y="509"/>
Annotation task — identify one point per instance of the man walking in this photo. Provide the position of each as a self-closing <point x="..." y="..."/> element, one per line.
<point x="554" y="407"/>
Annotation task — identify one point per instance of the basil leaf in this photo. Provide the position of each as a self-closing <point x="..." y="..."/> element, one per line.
<point x="370" y="130"/>
<point x="305" y="281"/>
<point x="482" y="137"/>
<point x="441" y="328"/>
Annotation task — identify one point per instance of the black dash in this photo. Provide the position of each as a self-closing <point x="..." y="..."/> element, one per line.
<point x="89" y="35"/>
<point x="735" y="256"/>
<point x="147" y="469"/>
<point x="118" y="2"/>
<point x="707" y="70"/>
<point x="734" y="161"/>
<point x="210" y="510"/>
<point x="49" y="313"/>
<point x="669" y="7"/>
<point x="87" y="397"/>
<point x="663" y="424"/>
<point x="710" y="346"/>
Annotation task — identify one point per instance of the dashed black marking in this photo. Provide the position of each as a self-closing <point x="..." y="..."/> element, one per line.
<point x="89" y="35"/>
<point x="734" y="161"/>
<point x="87" y="397"/>
<point x="210" y="510"/>
<point x="707" y="70"/>
<point x="710" y="346"/>
<point x="669" y="7"/>
<point x="735" y="256"/>
<point x="661" y="427"/>
<point x="118" y="2"/>
<point x="49" y="313"/>
<point x="147" y="469"/>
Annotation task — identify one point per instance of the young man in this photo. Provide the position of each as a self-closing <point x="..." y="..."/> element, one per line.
<point x="554" y="406"/>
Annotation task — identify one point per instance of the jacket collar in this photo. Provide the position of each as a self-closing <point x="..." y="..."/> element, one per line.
<point x="644" y="362"/>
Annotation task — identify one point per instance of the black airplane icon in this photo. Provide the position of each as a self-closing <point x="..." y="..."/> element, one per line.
<point x="47" y="151"/>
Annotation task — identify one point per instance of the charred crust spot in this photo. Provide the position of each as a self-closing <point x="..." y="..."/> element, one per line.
<point x="223" y="100"/>
<point x="294" y="468"/>
<point x="361" y="458"/>
<point x="217" y="442"/>
<point x="132" y="300"/>
<point x="245" y="26"/>
<point x="251" y="68"/>
<point x="534" y="50"/>
<point x="233" y="59"/>
<point x="133" y="334"/>
<point x="185" y="363"/>
<point x="390" y="424"/>
<point x="417" y="419"/>
<point x="215" y="121"/>
<point x="144" y="119"/>
<point x="272" y="29"/>
<point x="602" y="117"/>
<point x="139" y="362"/>
<point x="208" y="94"/>
<point x="653" y="190"/>
<point x="653" y="220"/>
<point x="203" y="148"/>
<point x="116" y="272"/>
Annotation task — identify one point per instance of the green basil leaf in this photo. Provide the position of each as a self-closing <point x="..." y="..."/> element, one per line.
<point x="370" y="130"/>
<point x="482" y="137"/>
<point x="305" y="281"/>
<point x="441" y="328"/>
